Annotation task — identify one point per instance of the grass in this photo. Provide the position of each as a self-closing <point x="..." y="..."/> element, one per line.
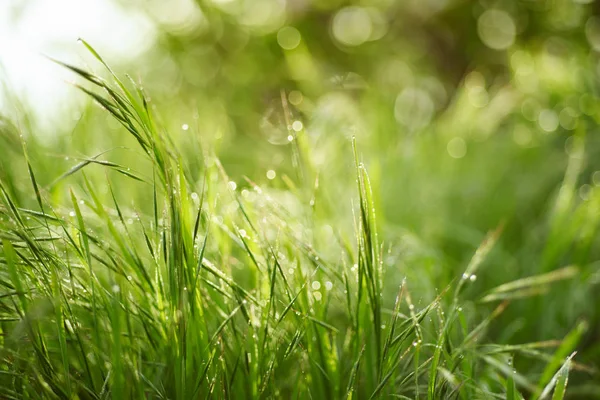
<point x="174" y="281"/>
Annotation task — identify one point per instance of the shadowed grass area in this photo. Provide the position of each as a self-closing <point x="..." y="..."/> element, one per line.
<point x="159" y="276"/>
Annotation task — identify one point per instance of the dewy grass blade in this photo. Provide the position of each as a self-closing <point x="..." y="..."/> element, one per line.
<point x="558" y="381"/>
<point x="561" y="381"/>
<point x="531" y="285"/>
<point x="564" y="351"/>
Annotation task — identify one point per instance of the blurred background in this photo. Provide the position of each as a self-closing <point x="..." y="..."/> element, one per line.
<point x="468" y="114"/>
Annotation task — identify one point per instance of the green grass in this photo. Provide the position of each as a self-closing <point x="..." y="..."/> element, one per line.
<point x="158" y="276"/>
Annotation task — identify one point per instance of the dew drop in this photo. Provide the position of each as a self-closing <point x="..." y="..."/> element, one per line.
<point x="297" y="126"/>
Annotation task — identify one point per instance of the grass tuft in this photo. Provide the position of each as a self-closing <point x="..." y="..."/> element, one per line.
<point x="232" y="293"/>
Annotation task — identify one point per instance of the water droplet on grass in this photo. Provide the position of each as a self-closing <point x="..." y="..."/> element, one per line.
<point x="297" y="126"/>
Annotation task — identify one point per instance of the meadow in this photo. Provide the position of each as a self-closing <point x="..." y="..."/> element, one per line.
<point x="289" y="208"/>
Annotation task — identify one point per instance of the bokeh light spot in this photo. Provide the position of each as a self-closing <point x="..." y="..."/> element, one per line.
<point x="548" y="120"/>
<point x="288" y="38"/>
<point x="596" y="178"/>
<point x="295" y="97"/>
<point x="457" y="147"/>
<point x="352" y="26"/>
<point x="263" y="16"/>
<point x="530" y="109"/>
<point x="496" y="29"/>
<point x="584" y="191"/>
<point x="568" y="118"/>
<point x="297" y="126"/>
<point x="592" y="32"/>
<point x="414" y="108"/>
